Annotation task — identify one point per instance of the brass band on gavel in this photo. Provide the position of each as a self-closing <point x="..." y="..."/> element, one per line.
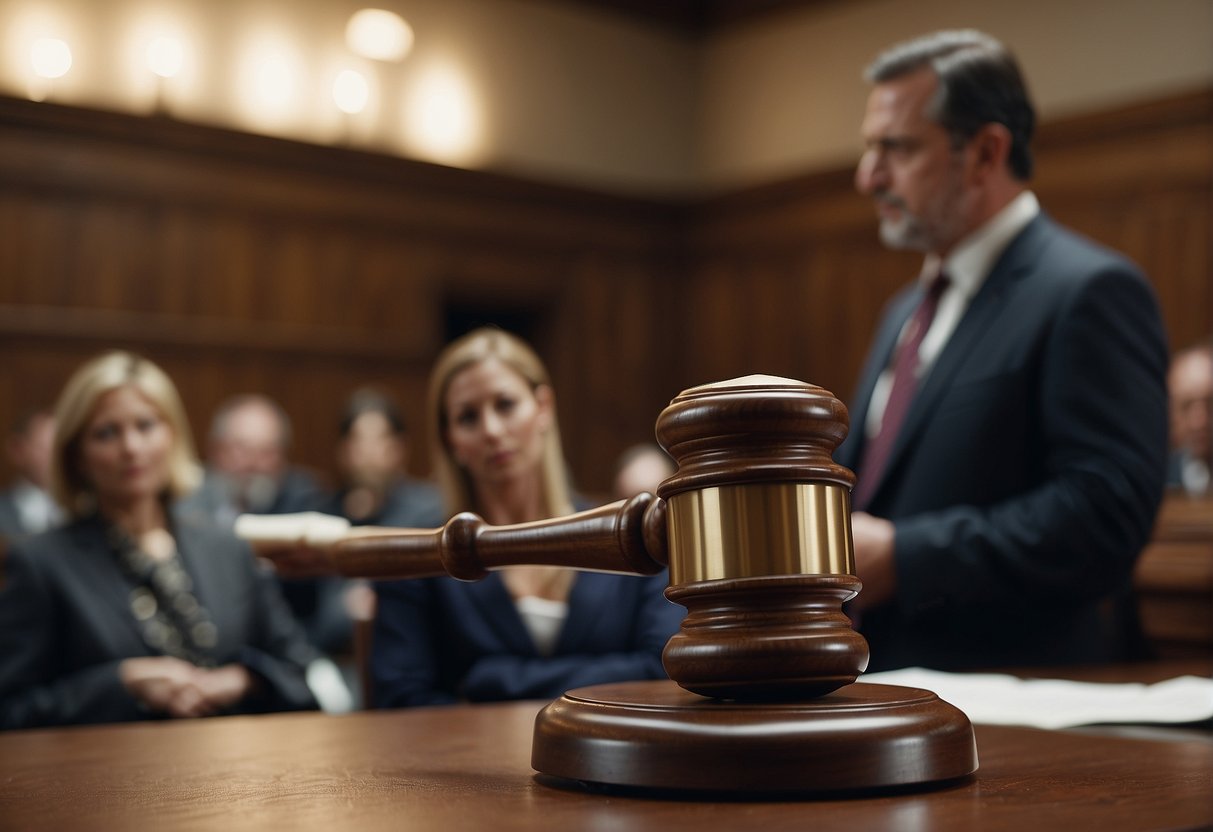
<point x="747" y="531"/>
<point x="754" y="526"/>
<point x="759" y="533"/>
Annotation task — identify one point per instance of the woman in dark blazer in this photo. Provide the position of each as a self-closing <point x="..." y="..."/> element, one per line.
<point x="522" y="632"/>
<point x="130" y="612"/>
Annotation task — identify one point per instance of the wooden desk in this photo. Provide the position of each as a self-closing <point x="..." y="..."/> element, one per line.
<point x="469" y="768"/>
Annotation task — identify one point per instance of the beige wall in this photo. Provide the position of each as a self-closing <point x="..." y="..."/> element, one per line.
<point x="785" y="94"/>
<point x="552" y="92"/>
<point x="562" y="93"/>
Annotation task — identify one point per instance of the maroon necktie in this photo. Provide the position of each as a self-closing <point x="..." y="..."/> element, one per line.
<point x="905" y="383"/>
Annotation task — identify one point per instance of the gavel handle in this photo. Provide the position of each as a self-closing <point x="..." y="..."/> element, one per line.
<point x="627" y="537"/>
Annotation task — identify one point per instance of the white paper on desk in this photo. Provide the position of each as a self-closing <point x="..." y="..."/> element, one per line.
<point x="1000" y="699"/>
<point x="310" y="527"/>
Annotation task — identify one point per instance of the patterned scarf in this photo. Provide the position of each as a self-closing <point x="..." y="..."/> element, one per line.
<point x="170" y="618"/>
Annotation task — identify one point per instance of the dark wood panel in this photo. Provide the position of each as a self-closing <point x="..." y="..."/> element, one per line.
<point x="248" y="262"/>
<point x="1174" y="579"/>
<point x="245" y="263"/>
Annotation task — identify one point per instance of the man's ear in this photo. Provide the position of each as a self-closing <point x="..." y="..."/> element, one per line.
<point x="991" y="148"/>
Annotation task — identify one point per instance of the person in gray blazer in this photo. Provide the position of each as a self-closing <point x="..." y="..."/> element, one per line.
<point x="26" y="506"/>
<point x="1009" y="431"/>
<point x="131" y="612"/>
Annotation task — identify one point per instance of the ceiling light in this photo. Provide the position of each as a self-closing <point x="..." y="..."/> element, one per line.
<point x="379" y="34"/>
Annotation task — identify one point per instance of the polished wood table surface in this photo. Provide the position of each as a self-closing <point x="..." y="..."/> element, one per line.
<point x="468" y="767"/>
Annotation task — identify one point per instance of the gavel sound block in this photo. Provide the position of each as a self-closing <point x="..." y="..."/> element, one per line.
<point x="755" y="528"/>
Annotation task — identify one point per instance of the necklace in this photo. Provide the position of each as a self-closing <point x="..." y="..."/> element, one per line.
<point x="170" y="618"/>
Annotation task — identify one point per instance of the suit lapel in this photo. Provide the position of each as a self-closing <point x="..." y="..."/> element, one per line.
<point x="496" y="606"/>
<point x="585" y="608"/>
<point x="492" y="600"/>
<point x="199" y="561"/>
<point x="96" y="566"/>
<point x="979" y="319"/>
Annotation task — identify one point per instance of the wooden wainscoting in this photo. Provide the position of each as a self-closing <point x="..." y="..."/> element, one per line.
<point x="248" y="263"/>
<point x="251" y="263"/>
<point x="1174" y="579"/>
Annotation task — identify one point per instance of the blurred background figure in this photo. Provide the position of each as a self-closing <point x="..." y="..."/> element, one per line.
<point x="641" y="468"/>
<point x="248" y="471"/>
<point x="372" y="455"/>
<point x="525" y="631"/>
<point x="27" y="507"/>
<point x="131" y="612"/>
<point x="248" y="467"/>
<point x="1190" y="383"/>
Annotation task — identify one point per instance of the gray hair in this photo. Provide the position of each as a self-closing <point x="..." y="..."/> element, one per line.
<point x="979" y="83"/>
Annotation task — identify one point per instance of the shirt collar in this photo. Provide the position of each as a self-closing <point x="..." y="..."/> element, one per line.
<point x="974" y="256"/>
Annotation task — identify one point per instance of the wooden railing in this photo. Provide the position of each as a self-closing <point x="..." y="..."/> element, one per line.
<point x="1174" y="579"/>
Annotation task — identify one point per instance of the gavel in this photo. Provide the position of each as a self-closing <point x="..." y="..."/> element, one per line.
<point x="754" y="527"/>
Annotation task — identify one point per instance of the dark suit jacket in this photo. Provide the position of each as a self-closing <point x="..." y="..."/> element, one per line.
<point x="315" y="602"/>
<point x="1030" y="465"/>
<point x="409" y="503"/>
<point x="11" y="526"/>
<point x="438" y="640"/>
<point x="66" y="625"/>
<point x="319" y="603"/>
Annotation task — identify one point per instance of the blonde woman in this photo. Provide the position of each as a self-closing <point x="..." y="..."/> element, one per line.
<point x="523" y="632"/>
<point x="128" y="612"/>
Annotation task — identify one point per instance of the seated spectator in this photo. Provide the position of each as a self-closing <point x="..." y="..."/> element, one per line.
<point x="27" y="507"/>
<point x="248" y="471"/>
<point x="372" y="456"/>
<point x="1190" y="383"/>
<point x="130" y="612"/>
<point x="525" y="631"/>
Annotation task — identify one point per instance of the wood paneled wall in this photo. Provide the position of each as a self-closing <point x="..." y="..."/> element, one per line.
<point x="249" y="263"/>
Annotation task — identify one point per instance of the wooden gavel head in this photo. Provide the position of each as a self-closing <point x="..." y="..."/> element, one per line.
<point x="759" y="533"/>
<point x="754" y="525"/>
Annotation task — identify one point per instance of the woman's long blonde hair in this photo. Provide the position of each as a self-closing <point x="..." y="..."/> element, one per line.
<point x="103" y="374"/>
<point x="481" y="345"/>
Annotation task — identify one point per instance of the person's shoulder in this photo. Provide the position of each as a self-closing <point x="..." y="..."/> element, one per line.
<point x="57" y="547"/>
<point x="10" y="517"/>
<point x="1071" y="255"/>
<point x="197" y="529"/>
<point x="415" y="504"/>
<point x="300" y="490"/>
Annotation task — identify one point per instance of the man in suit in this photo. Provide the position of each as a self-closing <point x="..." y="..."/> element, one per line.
<point x="1009" y="431"/>
<point x="248" y="471"/>
<point x="1190" y="383"/>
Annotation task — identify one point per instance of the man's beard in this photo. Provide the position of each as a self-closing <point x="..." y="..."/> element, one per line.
<point x="937" y="226"/>
<point x="905" y="232"/>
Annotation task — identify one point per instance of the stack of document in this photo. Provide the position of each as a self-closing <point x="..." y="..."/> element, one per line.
<point x="999" y="699"/>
